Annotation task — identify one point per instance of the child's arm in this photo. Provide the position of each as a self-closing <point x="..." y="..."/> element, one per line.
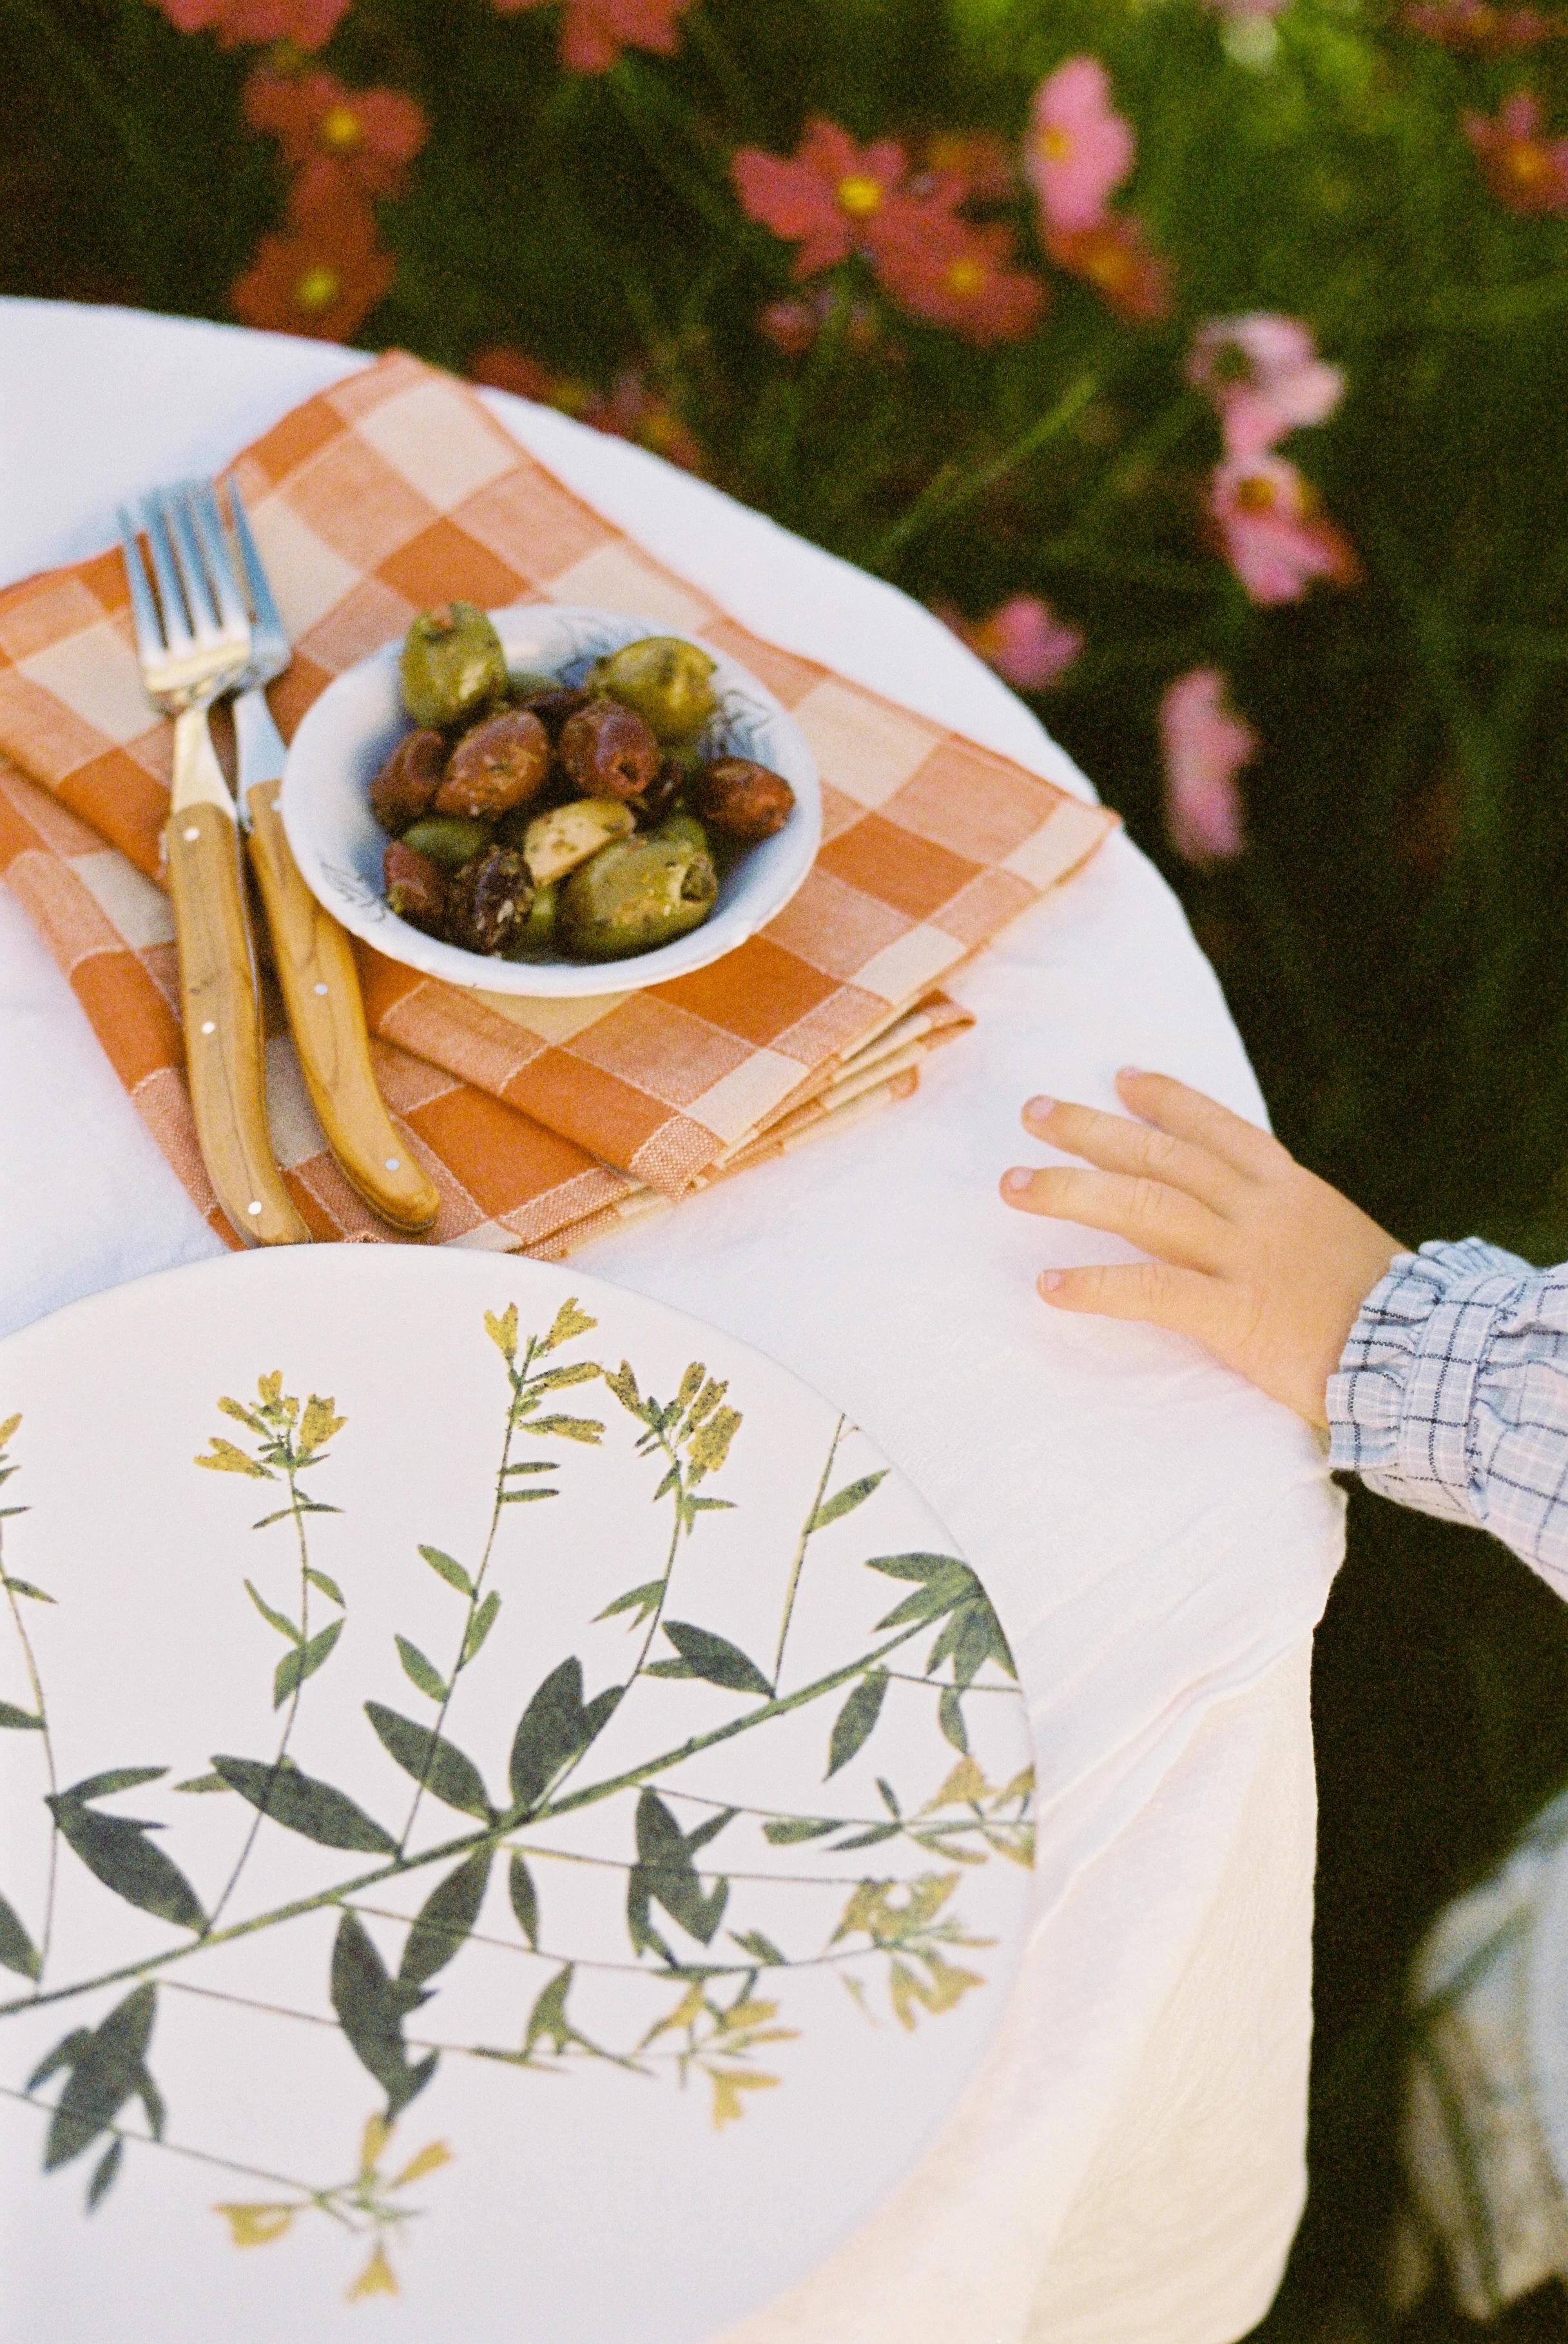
<point x="1441" y="1377"/>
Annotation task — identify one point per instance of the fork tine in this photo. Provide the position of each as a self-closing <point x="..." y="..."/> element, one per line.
<point x="176" y="625"/>
<point x="193" y="575"/>
<point x="259" y="593"/>
<point x="144" y="608"/>
<point x="214" y="550"/>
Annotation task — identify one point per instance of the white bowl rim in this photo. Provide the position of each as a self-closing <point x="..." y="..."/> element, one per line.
<point x="353" y="723"/>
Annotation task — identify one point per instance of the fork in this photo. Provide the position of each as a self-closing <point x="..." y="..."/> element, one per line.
<point x="314" y="959"/>
<point x="193" y="639"/>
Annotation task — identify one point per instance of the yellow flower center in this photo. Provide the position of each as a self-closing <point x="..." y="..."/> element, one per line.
<point x="859" y="195"/>
<point x="318" y="289"/>
<point x="1110" y="267"/>
<point x="1526" y="161"/>
<point x="341" y="130"/>
<point x="1255" y="494"/>
<point x="1055" y="146"/>
<point x="965" y="277"/>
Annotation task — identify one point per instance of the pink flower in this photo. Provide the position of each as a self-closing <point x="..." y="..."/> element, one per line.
<point x="795" y="324"/>
<point x="1478" y="26"/>
<point x="1265" y="377"/>
<point x="1205" y="746"/>
<point x="830" y="196"/>
<point x="309" y="24"/>
<point x="334" y="136"/>
<point x="1527" y="172"/>
<point x="952" y="273"/>
<point x="1029" y="647"/>
<point x="594" y="32"/>
<point x="322" y="275"/>
<point x="1079" y="150"/>
<point x="1113" y="258"/>
<point x="1272" y="531"/>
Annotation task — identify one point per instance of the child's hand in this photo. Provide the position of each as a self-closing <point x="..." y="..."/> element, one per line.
<point x="1260" y="1260"/>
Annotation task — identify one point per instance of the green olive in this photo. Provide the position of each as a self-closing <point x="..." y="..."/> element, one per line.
<point x="667" y="680"/>
<point x="452" y="665"/>
<point x="684" y="829"/>
<point x="527" y="682"/>
<point x="635" y="895"/>
<point x="538" y="934"/>
<point x="448" y="840"/>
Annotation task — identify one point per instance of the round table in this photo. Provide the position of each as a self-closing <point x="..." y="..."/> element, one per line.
<point x="1158" y="1538"/>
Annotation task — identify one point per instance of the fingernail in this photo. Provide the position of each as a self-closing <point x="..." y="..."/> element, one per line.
<point x="1016" y="1181"/>
<point x="1039" y="1108"/>
<point x="1048" y="1280"/>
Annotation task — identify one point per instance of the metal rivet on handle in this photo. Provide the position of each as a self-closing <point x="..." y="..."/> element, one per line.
<point x="190" y="836"/>
<point x="321" y="989"/>
<point x="253" y="1206"/>
<point x="394" y="1163"/>
<point x="208" y="1025"/>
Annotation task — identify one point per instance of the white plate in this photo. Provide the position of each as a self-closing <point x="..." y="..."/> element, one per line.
<point x="348" y="734"/>
<point x="580" y="2196"/>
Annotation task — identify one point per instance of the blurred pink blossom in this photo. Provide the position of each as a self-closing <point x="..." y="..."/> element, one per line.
<point x="594" y="32"/>
<point x="1265" y="377"/>
<point x="1079" y="150"/>
<point x="309" y="24"/>
<point x="1205" y="746"/>
<point x="1273" y="532"/>
<point x="830" y="196"/>
<point x="1023" y="639"/>
<point x="953" y="273"/>
<point x="1527" y="172"/>
<point x="335" y="137"/>
<point x="1113" y="258"/>
<point x="1478" y="26"/>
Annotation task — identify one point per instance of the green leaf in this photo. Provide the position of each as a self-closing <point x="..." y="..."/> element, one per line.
<point x="21" y="1720"/>
<point x="479" y="1626"/>
<point x="582" y="1371"/>
<point x="623" y="1384"/>
<point x="433" y="1761"/>
<point x="547" y="2021"/>
<point x="586" y="1429"/>
<point x="103" y="2173"/>
<point x="108" y="2067"/>
<point x="25" y="1587"/>
<point x="318" y="1579"/>
<point x="300" y="1803"/>
<point x="524" y="1898"/>
<point x="285" y="1628"/>
<point x="857" y="1719"/>
<point x="642" y="1600"/>
<point x="923" y="1567"/>
<point x="525" y="1497"/>
<point x="569" y="1321"/>
<point x="890" y="1798"/>
<point x="199" y="1783"/>
<point x="870" y="1838"/>
<point x="665" y="1874"/>
<point x="950" y="1718"/>
<point x="294" y="1667"/>
<point x="119" y="1778"/>
<point x="446" y="1919"/>
<point x="419" y="1670"/>
<point x="530" y="1465"/>
<point x="371" y="2009"/>
<point x="716" y="1660"/>
<point x="445" y="1567"/>
<point x="17" y="1951"/>
<point x="554" y="1729"/>
<point x="761" y="1949"/>
<point x="844" y="1500"/>
<point x="787" y="1831"/>
<point x="118" y="1852"/>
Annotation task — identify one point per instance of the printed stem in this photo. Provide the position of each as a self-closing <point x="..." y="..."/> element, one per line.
<point x="801" y="1545"/>
<point x="308" y="2197"/>
<point x="47" y="1933"/>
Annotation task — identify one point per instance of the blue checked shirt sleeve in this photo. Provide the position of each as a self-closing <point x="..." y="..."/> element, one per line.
<point x="1451" y="1395"/>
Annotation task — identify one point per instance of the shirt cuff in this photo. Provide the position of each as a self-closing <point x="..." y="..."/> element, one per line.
<point x="1402" y="1406"/>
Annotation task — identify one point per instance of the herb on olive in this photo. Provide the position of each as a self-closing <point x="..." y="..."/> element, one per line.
<point x="499" y="764"/>
<point x="489" y="901"/>
<point x="634" y="896"/>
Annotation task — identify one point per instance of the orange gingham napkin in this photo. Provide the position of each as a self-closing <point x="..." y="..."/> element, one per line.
<point x="543" y="1122"/>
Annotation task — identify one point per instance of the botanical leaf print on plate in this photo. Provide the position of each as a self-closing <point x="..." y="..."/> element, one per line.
<point x="509" y="1807"/>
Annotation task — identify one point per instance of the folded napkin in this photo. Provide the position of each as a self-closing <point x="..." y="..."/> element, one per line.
<point x="542" y="1122"/>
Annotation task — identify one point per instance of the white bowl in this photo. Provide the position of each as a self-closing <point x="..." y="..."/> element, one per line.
<point x="348" y="733"/>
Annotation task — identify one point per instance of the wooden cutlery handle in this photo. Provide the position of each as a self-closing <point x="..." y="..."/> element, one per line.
<point x="321" y="986"/>
<point x="223" y="1045"/>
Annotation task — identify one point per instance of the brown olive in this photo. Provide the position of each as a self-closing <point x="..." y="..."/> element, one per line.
<point x="661" y="793"/>
<point x="741" y="800"/>
<point x="407" y="784"/>
<point x="554" y="704"/>
<point x="499" y="764"/>
<point x="489" y="902"/>
<point x="609" y="750"/>
<point x="416" y="887"/>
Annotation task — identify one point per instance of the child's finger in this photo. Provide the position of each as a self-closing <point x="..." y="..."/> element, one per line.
<point x="1193" y="1116"/>
<point x="1183" y="1300"/>
<point x="1148" y="1214"/>
<point x="1116" y="1144"/>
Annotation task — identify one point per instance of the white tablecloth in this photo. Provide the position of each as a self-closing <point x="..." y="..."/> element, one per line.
<point x="1158" y="1538"/>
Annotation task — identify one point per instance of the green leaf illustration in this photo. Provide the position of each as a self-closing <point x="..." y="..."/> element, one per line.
<point x="285" y="1627"/>
<point x="21" y="1721"/>
<point x="871" y="1838"/>
<point x="555" y="1728"/>
<point x="25" y="1587"/>
<point x="419" y="1670"/>
<point x="327" y="1586"/>
<point x="227" y="1459"/>
<point x="950" y="1718"/>
<point x="665" y="1874"/>
<point x="947" y="1591"/>
<point x="479" y="1626"/>
<point x="844" y="1500"/>
<point x="300" y="1803"/>
<point x="524" y="1898"/>
<point x="582" y="1371"/>
<point x="201" y="1783"/>
<point x="856" y="1721"/>
<point x="108" y="2067"/>
<point x="371" y="2009"/>
<point x="103" y="2174"/>
<point x="788" y="1831"/>
<point x="503" y="1331"/>
<point x="17" y="1951"/>
<point x="119" y="1778"/>
<point x="569" y="1320"/>
<point x="585" y="1428"/>
<point x="547" y="2021"/>
<point x="117" y="1851"/>
<point x="761" y="1948"/>
<point x="294" y="1667"/>
<point x="445" y="1919"/>
<point x="530" y="1465"/>
<point x="643" y="1601"/>
<point x="526" y="1497"/>
<point x="445" y="1567"/>
<point x="433" y="1761"/>
<point x="715" y="1659"/>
